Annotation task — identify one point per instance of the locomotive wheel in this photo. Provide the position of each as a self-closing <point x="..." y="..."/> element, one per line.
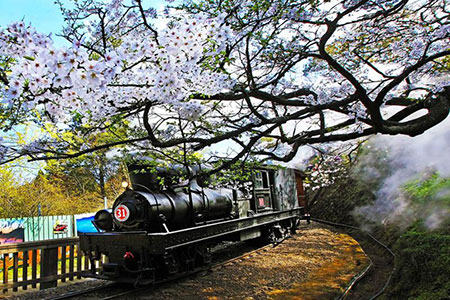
<point x="295" y="224"/>
<point x="274" y="234"/>
<point x="184" y="259"/>
<point x="171" y="265"/>
<point x="187" y="256"/>
<point x="277" y="232"/>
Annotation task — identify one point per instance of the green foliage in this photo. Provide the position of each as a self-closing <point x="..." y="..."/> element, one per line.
<point x="237" y="175"/>
<point x="429" y="197"/>
<point x="42" y="194"/>
<point x="444" y="65"/>
<point x="423" y="267"/>
<point x="423" y="191"/>
<point x="66" y="187"/>
<point x="8" y="192"/>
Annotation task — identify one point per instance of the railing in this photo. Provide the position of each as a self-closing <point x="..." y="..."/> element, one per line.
<point x="43" y="262"/>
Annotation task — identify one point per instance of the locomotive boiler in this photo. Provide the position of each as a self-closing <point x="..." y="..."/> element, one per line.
<point x="152" y="233"/>
<point x="143" y="209"/>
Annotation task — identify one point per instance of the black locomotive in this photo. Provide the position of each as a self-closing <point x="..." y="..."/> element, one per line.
<point x="153" y="233"/>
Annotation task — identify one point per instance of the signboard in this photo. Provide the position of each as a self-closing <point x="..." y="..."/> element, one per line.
<point x="60" y="227"/>
<point x="261" y="201"/>
<point x="12" y="231"/>
<point x="122" y="213"/>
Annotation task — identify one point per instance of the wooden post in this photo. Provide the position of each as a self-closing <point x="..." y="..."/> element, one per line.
<point x="49" y="267"/>
<point x="34" y="266"/>
<point x="15" y="269"/>
<point x="71" y="261"/>
<point x="63" y="262"/>
<point x="25" y="267"/>
<point x="5" y="270"/>
<point x="79" y="258"/>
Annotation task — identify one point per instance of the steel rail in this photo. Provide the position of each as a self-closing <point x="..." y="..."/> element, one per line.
<point x="82" y="292"/>
<point x="364" y="273"/>
<point x="73" y="294"/>
<point x="187" y="274"/>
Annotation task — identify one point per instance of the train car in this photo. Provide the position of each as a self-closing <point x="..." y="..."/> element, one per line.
<point x="153" y="233"/>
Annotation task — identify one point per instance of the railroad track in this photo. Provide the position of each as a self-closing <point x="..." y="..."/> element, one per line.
<point x="379" y="267"/>
<point x="126" y="291"/>
<point x="352" y="291"/>
<point x="74" y="294"/>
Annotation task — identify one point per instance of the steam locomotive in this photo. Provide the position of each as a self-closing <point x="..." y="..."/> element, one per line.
<point x="153" y="232"/>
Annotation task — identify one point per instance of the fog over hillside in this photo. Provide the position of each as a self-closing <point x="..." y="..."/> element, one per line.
<point x="405" y="159"/>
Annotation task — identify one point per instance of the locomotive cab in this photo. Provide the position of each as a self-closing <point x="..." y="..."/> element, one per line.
<point x="277" y="190"/>
<point x="263" y="191"/>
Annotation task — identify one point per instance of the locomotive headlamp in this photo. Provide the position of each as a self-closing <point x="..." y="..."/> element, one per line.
<point x="124" y="184"/>
<point x="103" y="220"/>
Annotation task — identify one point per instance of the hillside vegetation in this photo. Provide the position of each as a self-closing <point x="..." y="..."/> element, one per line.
<point x="415" y="225"/>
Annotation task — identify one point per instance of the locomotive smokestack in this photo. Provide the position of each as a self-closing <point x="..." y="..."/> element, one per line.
<point x="148" y="178"/>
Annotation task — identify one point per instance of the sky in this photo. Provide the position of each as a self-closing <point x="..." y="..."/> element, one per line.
<point x="43" y="14"/>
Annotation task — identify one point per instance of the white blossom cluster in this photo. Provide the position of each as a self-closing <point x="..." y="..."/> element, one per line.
<point x="326" y="172"/>
<point x="170" y="71"/>
<point x="64" y="79"/>
<point x="166" y="69"/>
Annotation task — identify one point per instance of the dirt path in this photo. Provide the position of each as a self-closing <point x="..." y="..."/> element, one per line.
<point x="317" y="263"/>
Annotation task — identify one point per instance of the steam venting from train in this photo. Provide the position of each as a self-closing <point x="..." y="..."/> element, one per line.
<point x="400" y="160"/>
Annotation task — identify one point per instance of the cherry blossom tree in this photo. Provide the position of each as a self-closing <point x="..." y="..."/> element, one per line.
<point x="266" y="77"/>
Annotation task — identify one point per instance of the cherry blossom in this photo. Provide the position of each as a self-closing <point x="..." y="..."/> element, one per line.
<point x="71" y="77"/>
<point x="292" y="72"/>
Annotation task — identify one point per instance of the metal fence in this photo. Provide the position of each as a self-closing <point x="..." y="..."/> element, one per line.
<point x="49" y="227"/>
<point x="16" y="230"/>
